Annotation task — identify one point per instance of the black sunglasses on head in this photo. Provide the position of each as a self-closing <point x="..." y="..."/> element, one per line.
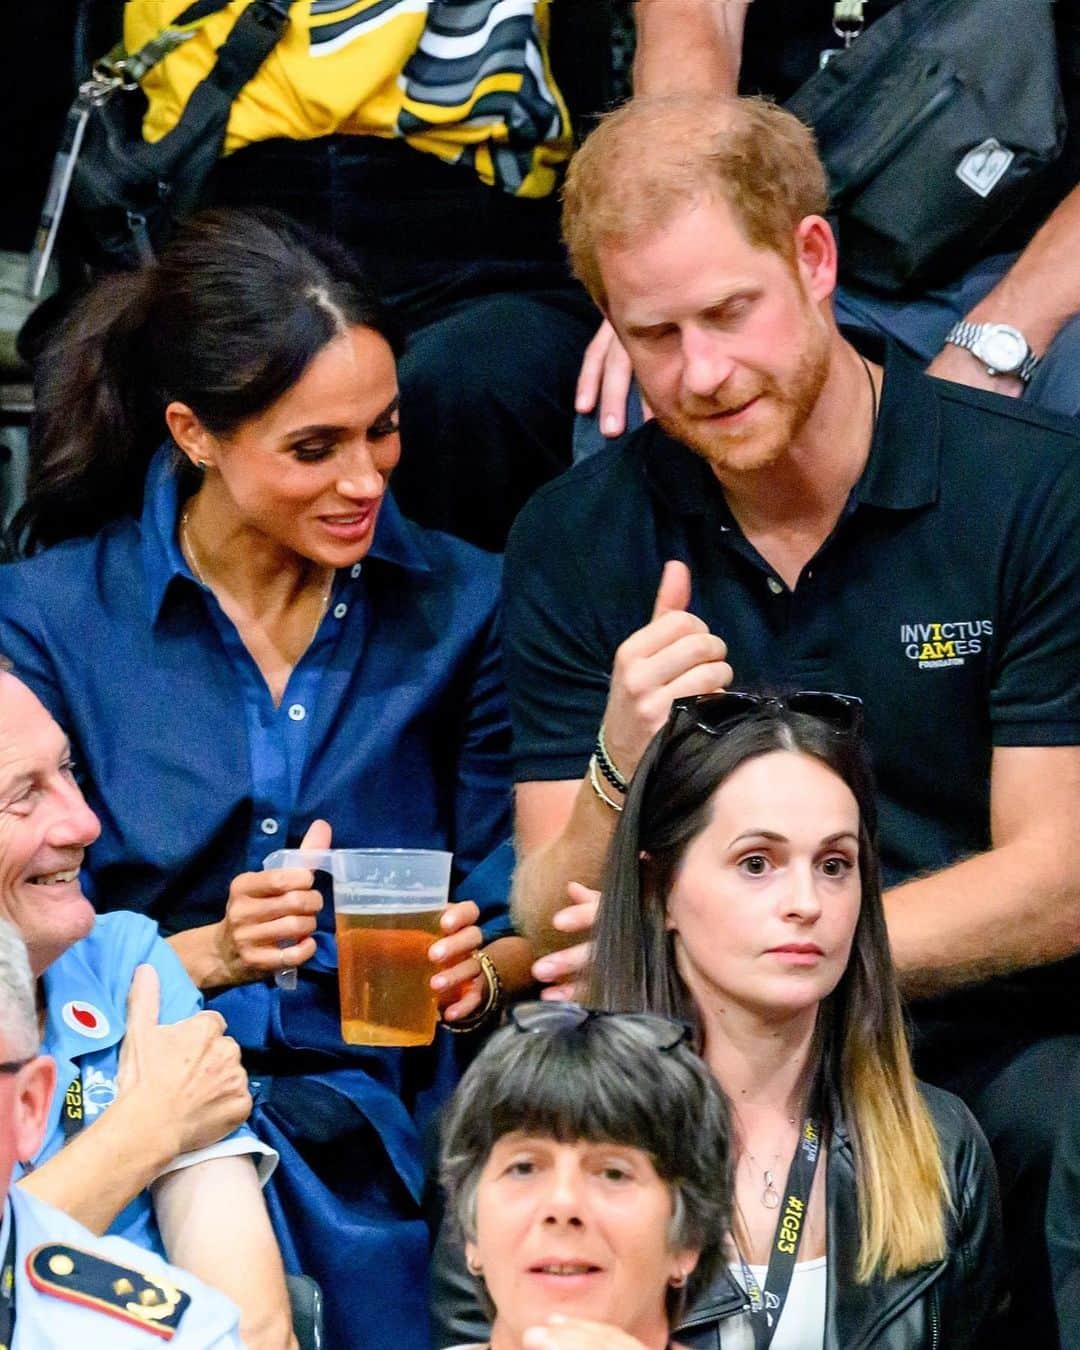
<point x="549" y="1019"/>
<point x="14" y="1065"/>
<point x="715" y="713"/>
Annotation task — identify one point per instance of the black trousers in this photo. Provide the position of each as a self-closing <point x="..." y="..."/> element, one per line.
<point x="1063" y="1211"/>
<point x="1029" y="1108"/>
<point x="496" y="324"/>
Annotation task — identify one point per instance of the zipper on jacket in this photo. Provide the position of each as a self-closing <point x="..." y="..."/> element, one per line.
<point x="933" y="1318"/>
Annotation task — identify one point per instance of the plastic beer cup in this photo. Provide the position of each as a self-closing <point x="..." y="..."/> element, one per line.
<point x="387" y="907"/>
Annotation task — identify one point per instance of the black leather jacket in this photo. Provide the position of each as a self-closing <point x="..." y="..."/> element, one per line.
<point x="947" y="1306"/>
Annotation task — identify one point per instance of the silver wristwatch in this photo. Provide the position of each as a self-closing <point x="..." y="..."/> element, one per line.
<point x="1002" y="349"/>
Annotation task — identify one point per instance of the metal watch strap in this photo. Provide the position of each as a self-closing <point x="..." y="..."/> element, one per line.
<point x="1027" y="366"/>
<point x="964" y="334"/>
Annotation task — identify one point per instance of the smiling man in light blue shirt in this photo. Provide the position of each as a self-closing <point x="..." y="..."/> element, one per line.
<point x="143" y="1138"/>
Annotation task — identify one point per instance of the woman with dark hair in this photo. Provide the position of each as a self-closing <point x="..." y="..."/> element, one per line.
<point x="742" y="894"/>
<point x="241" y="636"/>
<point x="590" y="1213"/>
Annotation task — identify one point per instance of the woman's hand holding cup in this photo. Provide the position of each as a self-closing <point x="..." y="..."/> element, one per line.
<point x="270" y="918"/>
<point x="459" y="983"/>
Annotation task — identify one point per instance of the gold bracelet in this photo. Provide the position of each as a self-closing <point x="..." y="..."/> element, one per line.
<point x="597" y="787"/>
<point x="492" y="1003"/>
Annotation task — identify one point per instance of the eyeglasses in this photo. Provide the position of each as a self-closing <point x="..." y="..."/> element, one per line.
<point x="548" y="1019"/>
<point x="14" y="1065"/>
<point x="714" y="713"/>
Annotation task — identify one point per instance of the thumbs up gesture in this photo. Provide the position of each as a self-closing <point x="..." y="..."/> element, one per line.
<point x="182" y="1085"/>
<point x="673" y="656"/>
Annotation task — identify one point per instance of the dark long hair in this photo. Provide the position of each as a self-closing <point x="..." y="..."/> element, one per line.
<point x="226" y="320"/>
<point x="864" y="1061"/>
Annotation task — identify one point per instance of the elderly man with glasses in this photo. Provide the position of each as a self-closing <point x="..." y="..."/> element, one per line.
<point x="145" y="1137"/>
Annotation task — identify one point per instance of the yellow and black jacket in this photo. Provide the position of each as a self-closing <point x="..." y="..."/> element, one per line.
<point x="466" y="80"/>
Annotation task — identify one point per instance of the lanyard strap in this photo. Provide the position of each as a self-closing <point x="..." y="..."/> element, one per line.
<point x="767" y="1304"/>
<point x="7" y="1288"/>
<point x="72" y="1113"/>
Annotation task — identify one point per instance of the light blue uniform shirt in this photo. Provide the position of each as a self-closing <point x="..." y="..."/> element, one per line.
<point x="45" y="1321"/>
<point x="86" y="991"/>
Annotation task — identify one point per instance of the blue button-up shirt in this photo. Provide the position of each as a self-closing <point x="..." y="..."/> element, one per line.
<point x="393" y="725"/>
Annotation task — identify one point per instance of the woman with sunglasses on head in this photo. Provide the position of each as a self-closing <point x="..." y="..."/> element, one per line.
<point x="244" y="640"/>
<point x="590" y="1213"/>
<point x="742" y="894"/>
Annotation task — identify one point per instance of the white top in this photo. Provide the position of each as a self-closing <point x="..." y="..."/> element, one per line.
<point x="802" y="1322"/>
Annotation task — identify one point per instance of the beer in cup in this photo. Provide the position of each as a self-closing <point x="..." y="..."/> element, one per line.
<point x="387" y="907"/>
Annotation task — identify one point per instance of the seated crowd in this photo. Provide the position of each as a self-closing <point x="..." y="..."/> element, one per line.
<point x="757" y="759"/>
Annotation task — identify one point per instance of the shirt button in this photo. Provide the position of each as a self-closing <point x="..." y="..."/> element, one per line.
<point x="340" y="610"/>
<point x="355" y="570"/>
<point x="269" y="825"/>
<point x="775" y="586"/>
<point x="297" y="712"/>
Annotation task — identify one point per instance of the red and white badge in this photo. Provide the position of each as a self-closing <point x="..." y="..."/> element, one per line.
<point x="84" y="1017"/>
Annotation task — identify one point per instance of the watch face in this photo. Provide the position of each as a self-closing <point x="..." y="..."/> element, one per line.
<point x="1002" y="347"/>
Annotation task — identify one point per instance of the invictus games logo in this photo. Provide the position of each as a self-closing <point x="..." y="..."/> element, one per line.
<point x="944" y="644"/>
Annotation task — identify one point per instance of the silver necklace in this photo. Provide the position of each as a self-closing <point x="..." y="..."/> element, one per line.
<point x="188" y="549"/>
<point x="770" y="1196"/>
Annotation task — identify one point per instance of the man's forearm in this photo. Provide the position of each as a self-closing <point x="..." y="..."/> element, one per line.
<point x="101" y="1170"/>
<point x="688" y="46"/>
<point x="1041" y="291"/>
<point x="577" y="854"/>
<point x="1007" y="909"/>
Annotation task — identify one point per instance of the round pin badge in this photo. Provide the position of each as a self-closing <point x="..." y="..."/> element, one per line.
<point x="84" y="1017"/>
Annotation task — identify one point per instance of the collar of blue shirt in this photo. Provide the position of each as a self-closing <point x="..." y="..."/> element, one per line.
<point x="397" y="541"/>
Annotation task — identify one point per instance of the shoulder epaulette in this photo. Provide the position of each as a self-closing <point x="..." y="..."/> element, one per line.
<point x="85" y="1278"/>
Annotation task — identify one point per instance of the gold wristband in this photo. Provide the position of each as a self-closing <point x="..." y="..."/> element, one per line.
<point x="491" y="1004"/>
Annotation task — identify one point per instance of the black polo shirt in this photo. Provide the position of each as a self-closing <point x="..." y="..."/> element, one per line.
<point x="947" y="598"/>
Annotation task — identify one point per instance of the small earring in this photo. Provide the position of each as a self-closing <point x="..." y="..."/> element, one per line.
<point x="202" y="463"/>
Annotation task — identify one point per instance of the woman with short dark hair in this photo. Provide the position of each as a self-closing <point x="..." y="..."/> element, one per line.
<point x="585" y="1160"/>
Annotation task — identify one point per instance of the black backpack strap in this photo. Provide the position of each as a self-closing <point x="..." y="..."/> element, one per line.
<point x="191" y="148"/>
<point x="118" y="70"/>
